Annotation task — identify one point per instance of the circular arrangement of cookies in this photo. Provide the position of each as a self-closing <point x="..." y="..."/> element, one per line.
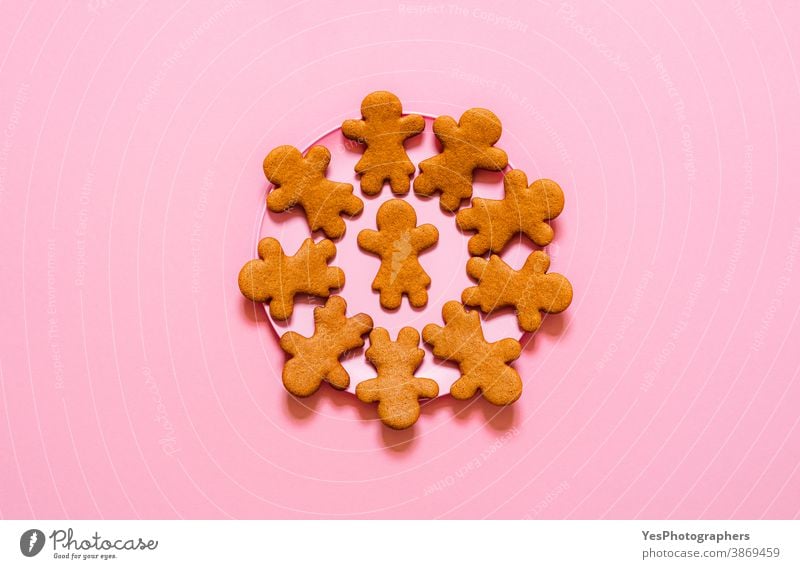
<point x="299" y="184"/>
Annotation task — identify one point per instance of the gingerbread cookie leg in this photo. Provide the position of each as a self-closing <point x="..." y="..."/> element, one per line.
<point x="418" y="297"/>
<point x="372" y="182"/>
<point x="395" y="388"/>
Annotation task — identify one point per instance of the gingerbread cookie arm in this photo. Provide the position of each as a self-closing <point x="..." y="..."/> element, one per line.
<point x="370" y="240"/>
<point x="291" y="343"/>
<point x="413" y="124"/>
<point x="493" y="159"/>
<point x="424" y="237"/>
<point x="318" y="158"/>
<point x="354" y="129"/>
<point x="445" y="127"/>
<point x="282" y="306"/>
<point x="269" y="248"/>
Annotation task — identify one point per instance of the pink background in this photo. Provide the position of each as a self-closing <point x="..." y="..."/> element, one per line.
<point x="137" y="382"/>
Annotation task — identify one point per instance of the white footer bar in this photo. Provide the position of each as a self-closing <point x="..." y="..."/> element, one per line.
<point x="400" y="544"/>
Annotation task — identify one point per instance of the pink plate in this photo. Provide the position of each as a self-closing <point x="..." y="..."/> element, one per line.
<point x="445" y="262"/>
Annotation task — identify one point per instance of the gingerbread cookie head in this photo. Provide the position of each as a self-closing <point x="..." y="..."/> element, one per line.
<point x="300" y="181"/>
<point x="481" y="127"/>
<point x="381" y="106"/>
<point x="383" y="130"/>
<point x="531" y="290"/>
<point x="466" y="146"/>
<point x="524" y="209"/>
<point x="276" y="278"/>
<point x="484" y="365"/>
<point x="399" y="242"/>
<point x="395" y="388"/>
<point x="285" y="163"/>
<point x="316" y="359"/>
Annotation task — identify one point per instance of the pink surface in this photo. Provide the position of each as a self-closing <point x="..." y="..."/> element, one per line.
<point x="137" y="382"/>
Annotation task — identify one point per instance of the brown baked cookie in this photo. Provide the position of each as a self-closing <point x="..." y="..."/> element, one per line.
<point x="466" y="146"/>
<point x="383" y="129"/>
<point x="276" y="278"/>
<point x="529" y="290"/>
<point x="398" y="242"/>
<point x="524" y="209"/>
<point x="301" y="181"/>
<point x="483" y="364"/>
<point x="316" y="359"/>
<point x="396" y="389"/>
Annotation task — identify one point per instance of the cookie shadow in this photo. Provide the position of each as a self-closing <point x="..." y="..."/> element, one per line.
<point x="492" y="177"/>
<point x="553" y="326"/>
<point x="253" y="311"/>
<point x="304" y="408"/>
<point x="415" y="141"/>
<point x="498" y="418"/>
<point x="257" y="316"/>
<point x="398" y="441"/>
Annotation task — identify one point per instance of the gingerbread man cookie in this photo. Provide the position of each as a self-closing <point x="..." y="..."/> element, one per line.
<point x="398" y="242"/>
<point x="467" y="146"/>
<point x="483" y="364"/>
<point x="316" y="359"/>
<point x="524" y="209"/>
<point x="276" y="278"/>
<point x="383" y="129"/>
<point x="530" y="290"/>
<point x="395" y="388"/>
<point x="301" y="181"/>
